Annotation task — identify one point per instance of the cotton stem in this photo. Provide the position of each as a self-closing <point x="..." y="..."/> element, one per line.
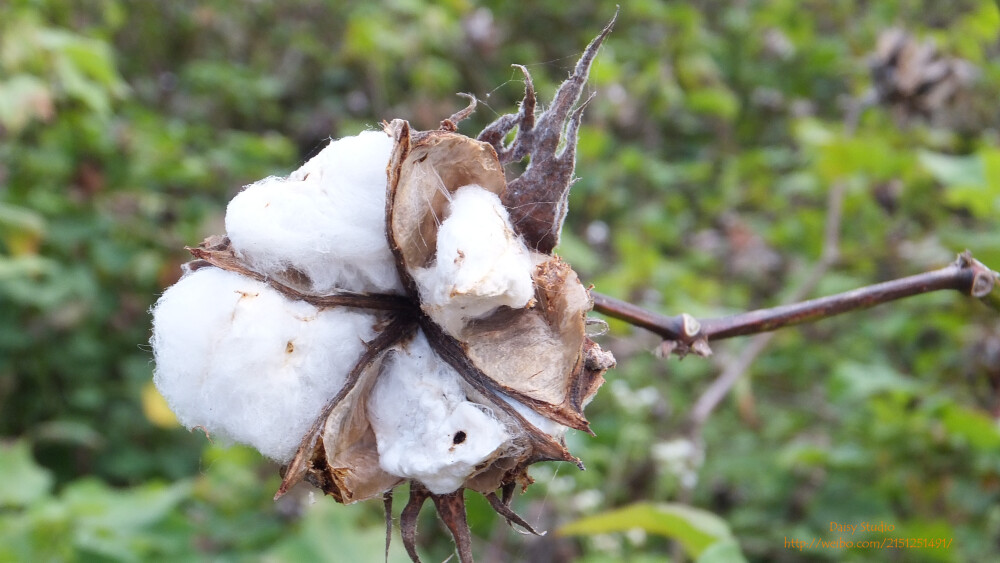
<point x="966" y="275"/>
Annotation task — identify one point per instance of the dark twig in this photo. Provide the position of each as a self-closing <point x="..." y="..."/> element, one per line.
<point x="966" y="275"/>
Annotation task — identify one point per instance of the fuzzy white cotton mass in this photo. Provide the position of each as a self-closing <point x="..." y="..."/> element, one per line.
<point x="425" y="427"/>
<point x="550" y="427"/>
<point x="237" y="358"/>
<point x="326" y="219"/>
<point x="481" y="264"/>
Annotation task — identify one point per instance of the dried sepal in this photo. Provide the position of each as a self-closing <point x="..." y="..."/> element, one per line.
<point x="537" y="199"/>
<point x="502" y="507"/>
<point x="408" y="518"/>
<point x="451" y="510"/>
<point x="387" y="507"/>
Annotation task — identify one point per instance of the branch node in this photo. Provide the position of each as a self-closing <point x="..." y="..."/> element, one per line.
<point x="690" y="326"/>
<point x="982" y="284"/>
<point x="666" y="348"/>
<point x="701" y="348"/>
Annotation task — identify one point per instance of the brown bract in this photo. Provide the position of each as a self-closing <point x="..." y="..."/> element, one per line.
<point x="539" y="355"/>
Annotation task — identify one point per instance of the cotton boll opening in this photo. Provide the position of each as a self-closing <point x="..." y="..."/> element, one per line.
<point x="325" y="221"/>
<point x="237" y="358"/>
<point x="425" y="426"/>
<point x="480" y="264"/>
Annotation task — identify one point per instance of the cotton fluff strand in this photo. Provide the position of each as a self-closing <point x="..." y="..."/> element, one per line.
<point x="481" y="263"/>
<point x="237" y="358"/>
<point x="325" y="220"/>
<point x="425" y="427"/>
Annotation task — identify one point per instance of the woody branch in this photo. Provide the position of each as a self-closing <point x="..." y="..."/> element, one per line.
<point x="683" y="333"/>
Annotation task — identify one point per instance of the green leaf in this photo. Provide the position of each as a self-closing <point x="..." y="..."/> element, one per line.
<point x="22" y="481"/>
<point x="722" y="552"/>
<point x="973" y="427"/>
<point x="954" y="170"/>
<point x="330" y="532"/>
<point x="717" y="102"/>
<point x="855" y="380"/>
<point x="696" y="530"/>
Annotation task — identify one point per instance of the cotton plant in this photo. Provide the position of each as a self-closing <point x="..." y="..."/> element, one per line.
<point x="393" y="312"/>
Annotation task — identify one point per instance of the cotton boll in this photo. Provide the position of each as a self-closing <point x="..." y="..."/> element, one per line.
<point x="240" y="360"/>
<point x="481" y="264"/>
<point x="326" y="220"/>
<point x="425" y="427"/>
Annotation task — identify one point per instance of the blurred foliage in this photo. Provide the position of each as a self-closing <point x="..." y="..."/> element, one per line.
<point x="704" y="163"/>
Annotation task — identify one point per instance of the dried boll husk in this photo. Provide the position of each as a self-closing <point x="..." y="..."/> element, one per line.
<point x="914" y="77"/>
<point x="525" y="373"/>
<point x="534" y="355"/>
<point x="522" y="356"/>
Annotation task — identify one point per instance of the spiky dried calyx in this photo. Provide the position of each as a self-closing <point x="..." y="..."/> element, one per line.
<point x="479" y="356"/>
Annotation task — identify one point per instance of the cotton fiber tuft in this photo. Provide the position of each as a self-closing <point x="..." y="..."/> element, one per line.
<point x="425" y="427"/>
<point x="481" y="264"/>
<point x="326" y="220"/>
<point x="237" y="358"/>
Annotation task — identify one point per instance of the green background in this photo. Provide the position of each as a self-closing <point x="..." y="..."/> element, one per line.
<point x="706" y="159"/>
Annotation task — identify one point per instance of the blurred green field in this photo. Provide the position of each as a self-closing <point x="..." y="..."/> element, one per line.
<point x="705" y="162"/>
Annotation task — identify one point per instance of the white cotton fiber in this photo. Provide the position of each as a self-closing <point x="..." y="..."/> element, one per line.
<point x="550" y="427"/>
<point x="326" y="220"/>
<point x="240" y="360"/>
<point x="481" y="264"/>
<point x="425" y="427"/>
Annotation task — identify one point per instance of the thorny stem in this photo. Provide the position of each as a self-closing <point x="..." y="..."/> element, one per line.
<point x="966" y="275"/>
